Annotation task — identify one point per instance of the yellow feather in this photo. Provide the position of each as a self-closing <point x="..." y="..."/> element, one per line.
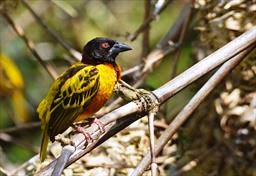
<point x="66" y="99"/>
<point x="10" y="76"/>
<point x="44" y="143"/>
<point x="11" y="85"/>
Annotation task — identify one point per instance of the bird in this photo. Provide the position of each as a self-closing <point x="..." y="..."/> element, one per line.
<point x="12" y="86"/>
<point x="81" y="90"/>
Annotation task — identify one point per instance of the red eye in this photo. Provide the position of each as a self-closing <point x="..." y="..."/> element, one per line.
<point x="105" y="45"/>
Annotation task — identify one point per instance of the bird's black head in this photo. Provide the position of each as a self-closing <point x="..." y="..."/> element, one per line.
<point x="102" y="50"/>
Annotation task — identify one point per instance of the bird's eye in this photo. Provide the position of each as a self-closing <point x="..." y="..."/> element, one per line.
<point x="104" y="45"/>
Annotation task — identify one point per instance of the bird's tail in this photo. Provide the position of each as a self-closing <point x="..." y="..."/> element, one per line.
<point x="44" y="143"/>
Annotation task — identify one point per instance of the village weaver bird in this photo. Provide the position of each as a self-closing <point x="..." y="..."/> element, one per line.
<point x="81" y="90"/>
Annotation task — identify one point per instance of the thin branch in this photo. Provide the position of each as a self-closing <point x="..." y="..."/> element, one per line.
<point x="52" y="72"/>
<point x="145" y="37"/>
<point x="61" y="161"/>
<point x="175" y="29"/>
<point x="152" y="143"/>
<point x="191" y="107"/>
<point x="146" y="22"/>
<point x="212" y="61"/>
<point x="163" y="47"/>
<point x="10" y="139"/>
<point x="163" y="93"/>
<point x="22" y="127"/>
<point x="72" y="52"/>
<point x="184" y="29"/>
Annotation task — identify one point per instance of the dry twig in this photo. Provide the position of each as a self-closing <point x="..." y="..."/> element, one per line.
<point x="72" y="52"/>
<point x="151" y="18"/>
<point x="30" y="46"/>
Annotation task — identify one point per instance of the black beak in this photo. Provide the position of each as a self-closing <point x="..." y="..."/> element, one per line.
<point x="117" y="48"/>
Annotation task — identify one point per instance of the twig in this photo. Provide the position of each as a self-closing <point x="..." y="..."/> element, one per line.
<point x="163" y="47"/>
<point x="163" y="93"/>
<point x="21" y="127"/>
<point x="3" y="171"/>
<point x="151" y="18"/>
<point x="145" y="37"/>
<point x="72" y="52"/>
<point x="115" y="165"/>
<point x="152" y="143"/>
<point x="9" y="139"/>
<point x="223" y="54"/>
<point x="175" y="29"/>
<point x="188" y="11"/>
<point x="191" y="106"/>
<point x="30" y="46"/>
<point x="66" y="152"/>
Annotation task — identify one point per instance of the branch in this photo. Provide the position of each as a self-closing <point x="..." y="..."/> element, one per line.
<point x="163" y="47"/>
<point x="175" y="29"/>
<point x="72" y="52"/>
<point x="212" y="61"/>
<point x="145" y="39"/>
<point x="187" y="19"/>
<point x="163" y="93"/>
<point x="151" y="18"/>
<point x="30" y="46"/>
<point x="191" y="107"/>
<point x="22" y="127"/>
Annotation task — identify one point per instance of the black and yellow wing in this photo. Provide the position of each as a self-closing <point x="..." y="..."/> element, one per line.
<point x="66" y="99"/>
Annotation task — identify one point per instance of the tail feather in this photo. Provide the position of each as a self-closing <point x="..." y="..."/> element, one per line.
<point x="44" y="144"/>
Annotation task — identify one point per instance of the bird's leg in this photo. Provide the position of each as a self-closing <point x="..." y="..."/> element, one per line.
<point x="147" y="99"/>
<point x="80" y="129"/>
<point x="128" y="92"/>
<point x="97" y="122"/>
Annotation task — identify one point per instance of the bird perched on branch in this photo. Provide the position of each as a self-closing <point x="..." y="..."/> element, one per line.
<point x="81" y="90"/>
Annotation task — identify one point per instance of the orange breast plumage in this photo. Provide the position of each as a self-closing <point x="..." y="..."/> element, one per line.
<point x="107" y="80"/>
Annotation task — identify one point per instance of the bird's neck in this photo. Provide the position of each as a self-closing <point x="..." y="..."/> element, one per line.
<point x="89" y="61"/>
<point x="114" y="65"/>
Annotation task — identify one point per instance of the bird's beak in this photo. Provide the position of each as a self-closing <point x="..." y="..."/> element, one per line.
<point x="119" y="47"/>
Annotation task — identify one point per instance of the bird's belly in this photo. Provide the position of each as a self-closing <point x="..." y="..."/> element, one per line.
<point x="107" y="80"/>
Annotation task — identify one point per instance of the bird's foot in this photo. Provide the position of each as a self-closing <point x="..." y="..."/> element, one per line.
<point x="87" y="135"/>
<point x="148" y="100"/>
<point x="99" y="124"/>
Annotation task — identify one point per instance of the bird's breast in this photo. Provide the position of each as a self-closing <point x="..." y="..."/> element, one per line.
<point x="107" y="81"/>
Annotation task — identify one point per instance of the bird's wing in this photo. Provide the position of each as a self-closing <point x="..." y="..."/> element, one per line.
<point x="72" y="98"/>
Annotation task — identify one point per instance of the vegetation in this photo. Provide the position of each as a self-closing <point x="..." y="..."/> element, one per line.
<point x="40" y="39"/>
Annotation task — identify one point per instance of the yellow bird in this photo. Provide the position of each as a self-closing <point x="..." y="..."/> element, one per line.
<point x="11" y="85"/>
<point x="81" y="90"/>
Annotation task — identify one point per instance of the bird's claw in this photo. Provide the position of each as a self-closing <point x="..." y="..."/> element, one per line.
<point x="99" y="124"/>
<point x="148" y="100"/>
<point x="87" y="135"/>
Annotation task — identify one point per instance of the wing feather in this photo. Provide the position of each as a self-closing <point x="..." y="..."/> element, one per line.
<point x="71" y="94"/>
